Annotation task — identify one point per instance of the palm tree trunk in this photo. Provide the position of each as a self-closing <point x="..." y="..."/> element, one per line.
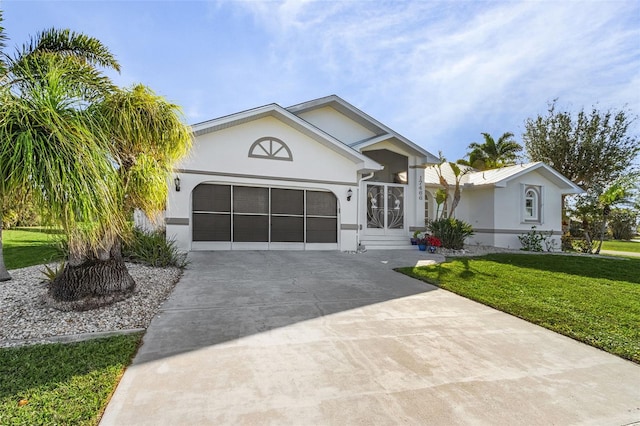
<point x="94" y="278"/>
<point x="603" y="228"/>
<point x="4" y="274"/>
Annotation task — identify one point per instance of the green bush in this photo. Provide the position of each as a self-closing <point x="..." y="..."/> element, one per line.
<point x="622" y="223"/>
<point x="451" y="232"/>
<point x="152" y="248"/>
<point x="534" y="240"/>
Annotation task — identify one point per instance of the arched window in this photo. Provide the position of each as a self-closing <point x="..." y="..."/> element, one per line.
<point x="270" y="148"/>
<point x="532" y="204"/>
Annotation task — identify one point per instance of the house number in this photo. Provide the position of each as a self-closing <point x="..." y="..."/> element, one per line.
<point x="420" y="187"/>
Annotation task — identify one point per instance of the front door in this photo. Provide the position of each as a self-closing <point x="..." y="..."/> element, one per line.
<point x="385" y="209"/>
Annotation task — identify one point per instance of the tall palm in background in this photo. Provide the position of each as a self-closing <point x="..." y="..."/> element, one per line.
<point x="492" y="154"/>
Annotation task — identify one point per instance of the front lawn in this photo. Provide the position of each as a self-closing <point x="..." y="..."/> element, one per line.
<point x="62" y="383"/>
<point x="30" y="246"/>
<point x="593" y="300"/>
<point x="617" y="245"/>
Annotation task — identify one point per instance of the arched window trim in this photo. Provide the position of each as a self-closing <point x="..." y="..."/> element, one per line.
<point x="532" y="204"/>
<point x="270" y="148"/>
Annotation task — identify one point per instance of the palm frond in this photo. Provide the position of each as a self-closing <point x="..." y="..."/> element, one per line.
<point x="71" y="44"/>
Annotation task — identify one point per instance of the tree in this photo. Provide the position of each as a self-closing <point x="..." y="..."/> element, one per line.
<point x="442" y="195"/>
<point x="492" y="154"/>
<point x="89" y="152"/>
<point x="25" y="73"/>
<point x="616" y="193"/>
<point x="590" y="149"/>
<point x="147" y="136"/>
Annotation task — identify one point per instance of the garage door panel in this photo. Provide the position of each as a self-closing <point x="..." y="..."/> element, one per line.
<point x="211" y="227"/>
<point x="250" y="200"/>
<point x="287" y="201"/>
<point x="287" y="229"/>
<point x="248" y="228"/>
<point x="321" y="203"/>
<point x="212" y="198"/>
<point x="322" y="230"/>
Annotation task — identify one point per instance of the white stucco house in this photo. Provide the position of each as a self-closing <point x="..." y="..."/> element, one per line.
<point x="320" y="175"/>
<point x="502" y="204"/>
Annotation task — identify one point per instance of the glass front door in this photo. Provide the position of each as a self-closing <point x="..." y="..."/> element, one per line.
<point x="385" y="208"/>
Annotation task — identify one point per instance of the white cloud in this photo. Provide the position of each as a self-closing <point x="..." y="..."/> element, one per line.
<point x="435" y="68"/>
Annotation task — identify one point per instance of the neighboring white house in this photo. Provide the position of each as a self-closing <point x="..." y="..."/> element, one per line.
<point x="502" y="204"/>
<point x="318" y="175"/>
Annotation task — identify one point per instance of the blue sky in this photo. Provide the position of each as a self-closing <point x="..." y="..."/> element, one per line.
<point x="438" y="72"/>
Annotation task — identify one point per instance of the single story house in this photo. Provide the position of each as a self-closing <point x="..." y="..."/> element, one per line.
<point x="502" y="204"/>
<point x="320" y="175"/>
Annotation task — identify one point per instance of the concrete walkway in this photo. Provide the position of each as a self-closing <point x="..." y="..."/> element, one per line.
<point x="313" y="338"/>
<point x="620" y="253"/>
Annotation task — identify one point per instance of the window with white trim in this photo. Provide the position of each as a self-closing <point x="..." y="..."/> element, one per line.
<point x="532" y="204"/>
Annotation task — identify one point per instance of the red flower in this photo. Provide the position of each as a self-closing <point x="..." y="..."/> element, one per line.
<point x="433" y="241"/>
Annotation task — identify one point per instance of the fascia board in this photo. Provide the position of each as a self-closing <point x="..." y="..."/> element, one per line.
<point x="564" y="184"/>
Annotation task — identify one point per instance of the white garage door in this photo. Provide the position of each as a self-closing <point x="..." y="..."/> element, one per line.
<point x="233" y="217"/>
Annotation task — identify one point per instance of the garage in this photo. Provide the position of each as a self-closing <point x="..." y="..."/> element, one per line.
<point x="252" y="217"/>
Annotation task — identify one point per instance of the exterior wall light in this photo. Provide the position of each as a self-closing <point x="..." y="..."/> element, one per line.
<point x="349" y="194"/>
<point x="176" y="181"/>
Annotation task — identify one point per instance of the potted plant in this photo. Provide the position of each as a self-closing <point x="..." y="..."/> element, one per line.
<point x="415" y="238"/>
<point x="433" y="242"/>
<point x="429" y="241"/>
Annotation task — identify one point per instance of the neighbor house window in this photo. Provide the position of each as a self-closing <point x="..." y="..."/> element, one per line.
<point x="532" y="204"/>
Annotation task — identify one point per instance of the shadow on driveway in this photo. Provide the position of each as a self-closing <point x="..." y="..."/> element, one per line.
<point x="227" y="295"/>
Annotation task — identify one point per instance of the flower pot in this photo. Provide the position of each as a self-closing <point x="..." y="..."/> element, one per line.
<point x="422" y="247"/>
<point x="414" y="241"/>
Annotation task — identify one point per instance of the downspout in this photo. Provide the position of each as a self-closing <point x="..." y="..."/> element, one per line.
<point x="362" y="179"/>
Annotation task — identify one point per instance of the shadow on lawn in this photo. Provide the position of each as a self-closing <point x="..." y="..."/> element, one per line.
<point x="622" y="269"/>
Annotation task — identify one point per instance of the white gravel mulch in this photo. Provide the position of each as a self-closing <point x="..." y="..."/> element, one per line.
<point x="25" y="319"/>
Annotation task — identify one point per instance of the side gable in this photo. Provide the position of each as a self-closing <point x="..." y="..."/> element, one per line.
<point x="499" y="178"/>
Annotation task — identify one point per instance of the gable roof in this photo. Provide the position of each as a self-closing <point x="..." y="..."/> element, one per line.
<point x="500" y="177"/>
<point x="365" y="163"/>
<point x="381" y="131"/>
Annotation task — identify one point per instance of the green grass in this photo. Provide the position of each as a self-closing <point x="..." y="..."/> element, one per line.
<point x="617" y="245"/>
<point x="593" y="300"/>
<point x="63" y="383"/>
<point x="29" y="246"/>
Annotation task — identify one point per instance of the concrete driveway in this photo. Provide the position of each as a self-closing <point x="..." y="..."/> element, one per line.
<point x="311" y="338"/>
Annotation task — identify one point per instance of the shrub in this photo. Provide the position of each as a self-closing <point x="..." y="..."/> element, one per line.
<point x="152" y="248"/>
<point x="534" y="240"/>
<point x="581" y="245"/>
<point x="622" y="223"/>
<point x="451" y="232"/>
<point x="567" y="242"/>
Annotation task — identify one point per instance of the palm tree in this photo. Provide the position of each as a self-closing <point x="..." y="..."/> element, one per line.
<point x="38" y="65"/>
<point x="492" y="154"/>
<point x="89" y="152"/>
<point x="146" y="137"/>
